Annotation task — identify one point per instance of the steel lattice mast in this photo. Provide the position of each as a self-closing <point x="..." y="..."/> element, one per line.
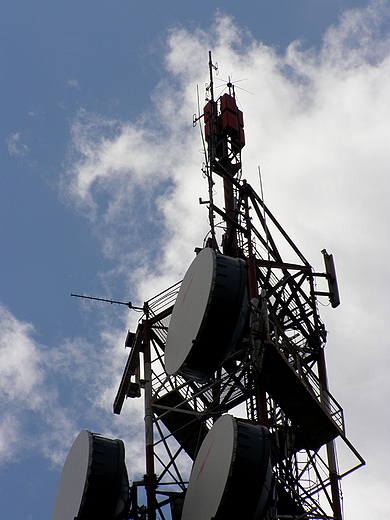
<point x="278" y="373"/>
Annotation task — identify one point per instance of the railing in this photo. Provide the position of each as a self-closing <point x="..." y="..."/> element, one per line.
<point x="313" y="383"/>
<point x="163" y="300"/>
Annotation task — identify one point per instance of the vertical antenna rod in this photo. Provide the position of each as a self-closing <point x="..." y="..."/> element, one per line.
<point x="211" y="115"/>
<point x="211" y="67"/>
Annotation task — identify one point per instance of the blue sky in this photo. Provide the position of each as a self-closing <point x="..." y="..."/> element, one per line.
<point x="99" y="183"/>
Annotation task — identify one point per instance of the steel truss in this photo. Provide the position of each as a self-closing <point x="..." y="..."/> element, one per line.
<point x="183" y="411"/>
<point x="275" y="377"/>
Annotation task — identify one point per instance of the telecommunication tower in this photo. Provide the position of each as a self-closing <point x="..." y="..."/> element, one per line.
<point x="239" y="419"/>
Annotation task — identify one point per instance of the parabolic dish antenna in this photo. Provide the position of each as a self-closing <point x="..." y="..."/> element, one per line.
<point x="231" y="475"/>
<point x="93" y="483"/>
<point x="209" y="315"/>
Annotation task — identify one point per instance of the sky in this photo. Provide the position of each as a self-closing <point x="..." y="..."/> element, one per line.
<point x="99" y="186"/>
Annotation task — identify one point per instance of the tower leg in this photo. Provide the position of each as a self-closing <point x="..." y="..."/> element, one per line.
<point x="150" y="476"/>
<point x="331" y="450"/>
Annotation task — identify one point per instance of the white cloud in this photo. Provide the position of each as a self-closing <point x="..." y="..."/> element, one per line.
<point x="361" y="36"/>
<point x="9" y="437"/>
<point x="15" y="145"/>
<point x="21" y="371"/>
<point x="21" y="377"/>
<point x="318" y="125"/>
<point x="48" y="395"/>
<point x="73" y="83"/>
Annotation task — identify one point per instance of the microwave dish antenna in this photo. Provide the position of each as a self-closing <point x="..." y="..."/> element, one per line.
<point x="209" y="315"/>
<point x="94" y="482"/>
<point x="231" y="477"/>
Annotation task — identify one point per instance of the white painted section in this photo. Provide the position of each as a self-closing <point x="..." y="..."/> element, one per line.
<point x="190" y="309"/>
<point x="211" y="470"/>
<point x="73" y="479"/>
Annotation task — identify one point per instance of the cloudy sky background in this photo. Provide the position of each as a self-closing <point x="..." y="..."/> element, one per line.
<point x="99" y="191"/>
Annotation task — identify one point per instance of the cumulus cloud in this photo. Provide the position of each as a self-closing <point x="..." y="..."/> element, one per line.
<point x="318" y="125"/>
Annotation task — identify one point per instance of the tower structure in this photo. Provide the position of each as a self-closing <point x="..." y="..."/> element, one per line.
<point x="249" y="343"/>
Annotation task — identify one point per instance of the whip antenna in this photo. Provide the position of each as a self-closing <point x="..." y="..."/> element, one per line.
<point x="128" y="304"/>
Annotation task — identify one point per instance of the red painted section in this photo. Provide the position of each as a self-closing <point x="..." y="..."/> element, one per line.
<point x="205" y="460"/>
